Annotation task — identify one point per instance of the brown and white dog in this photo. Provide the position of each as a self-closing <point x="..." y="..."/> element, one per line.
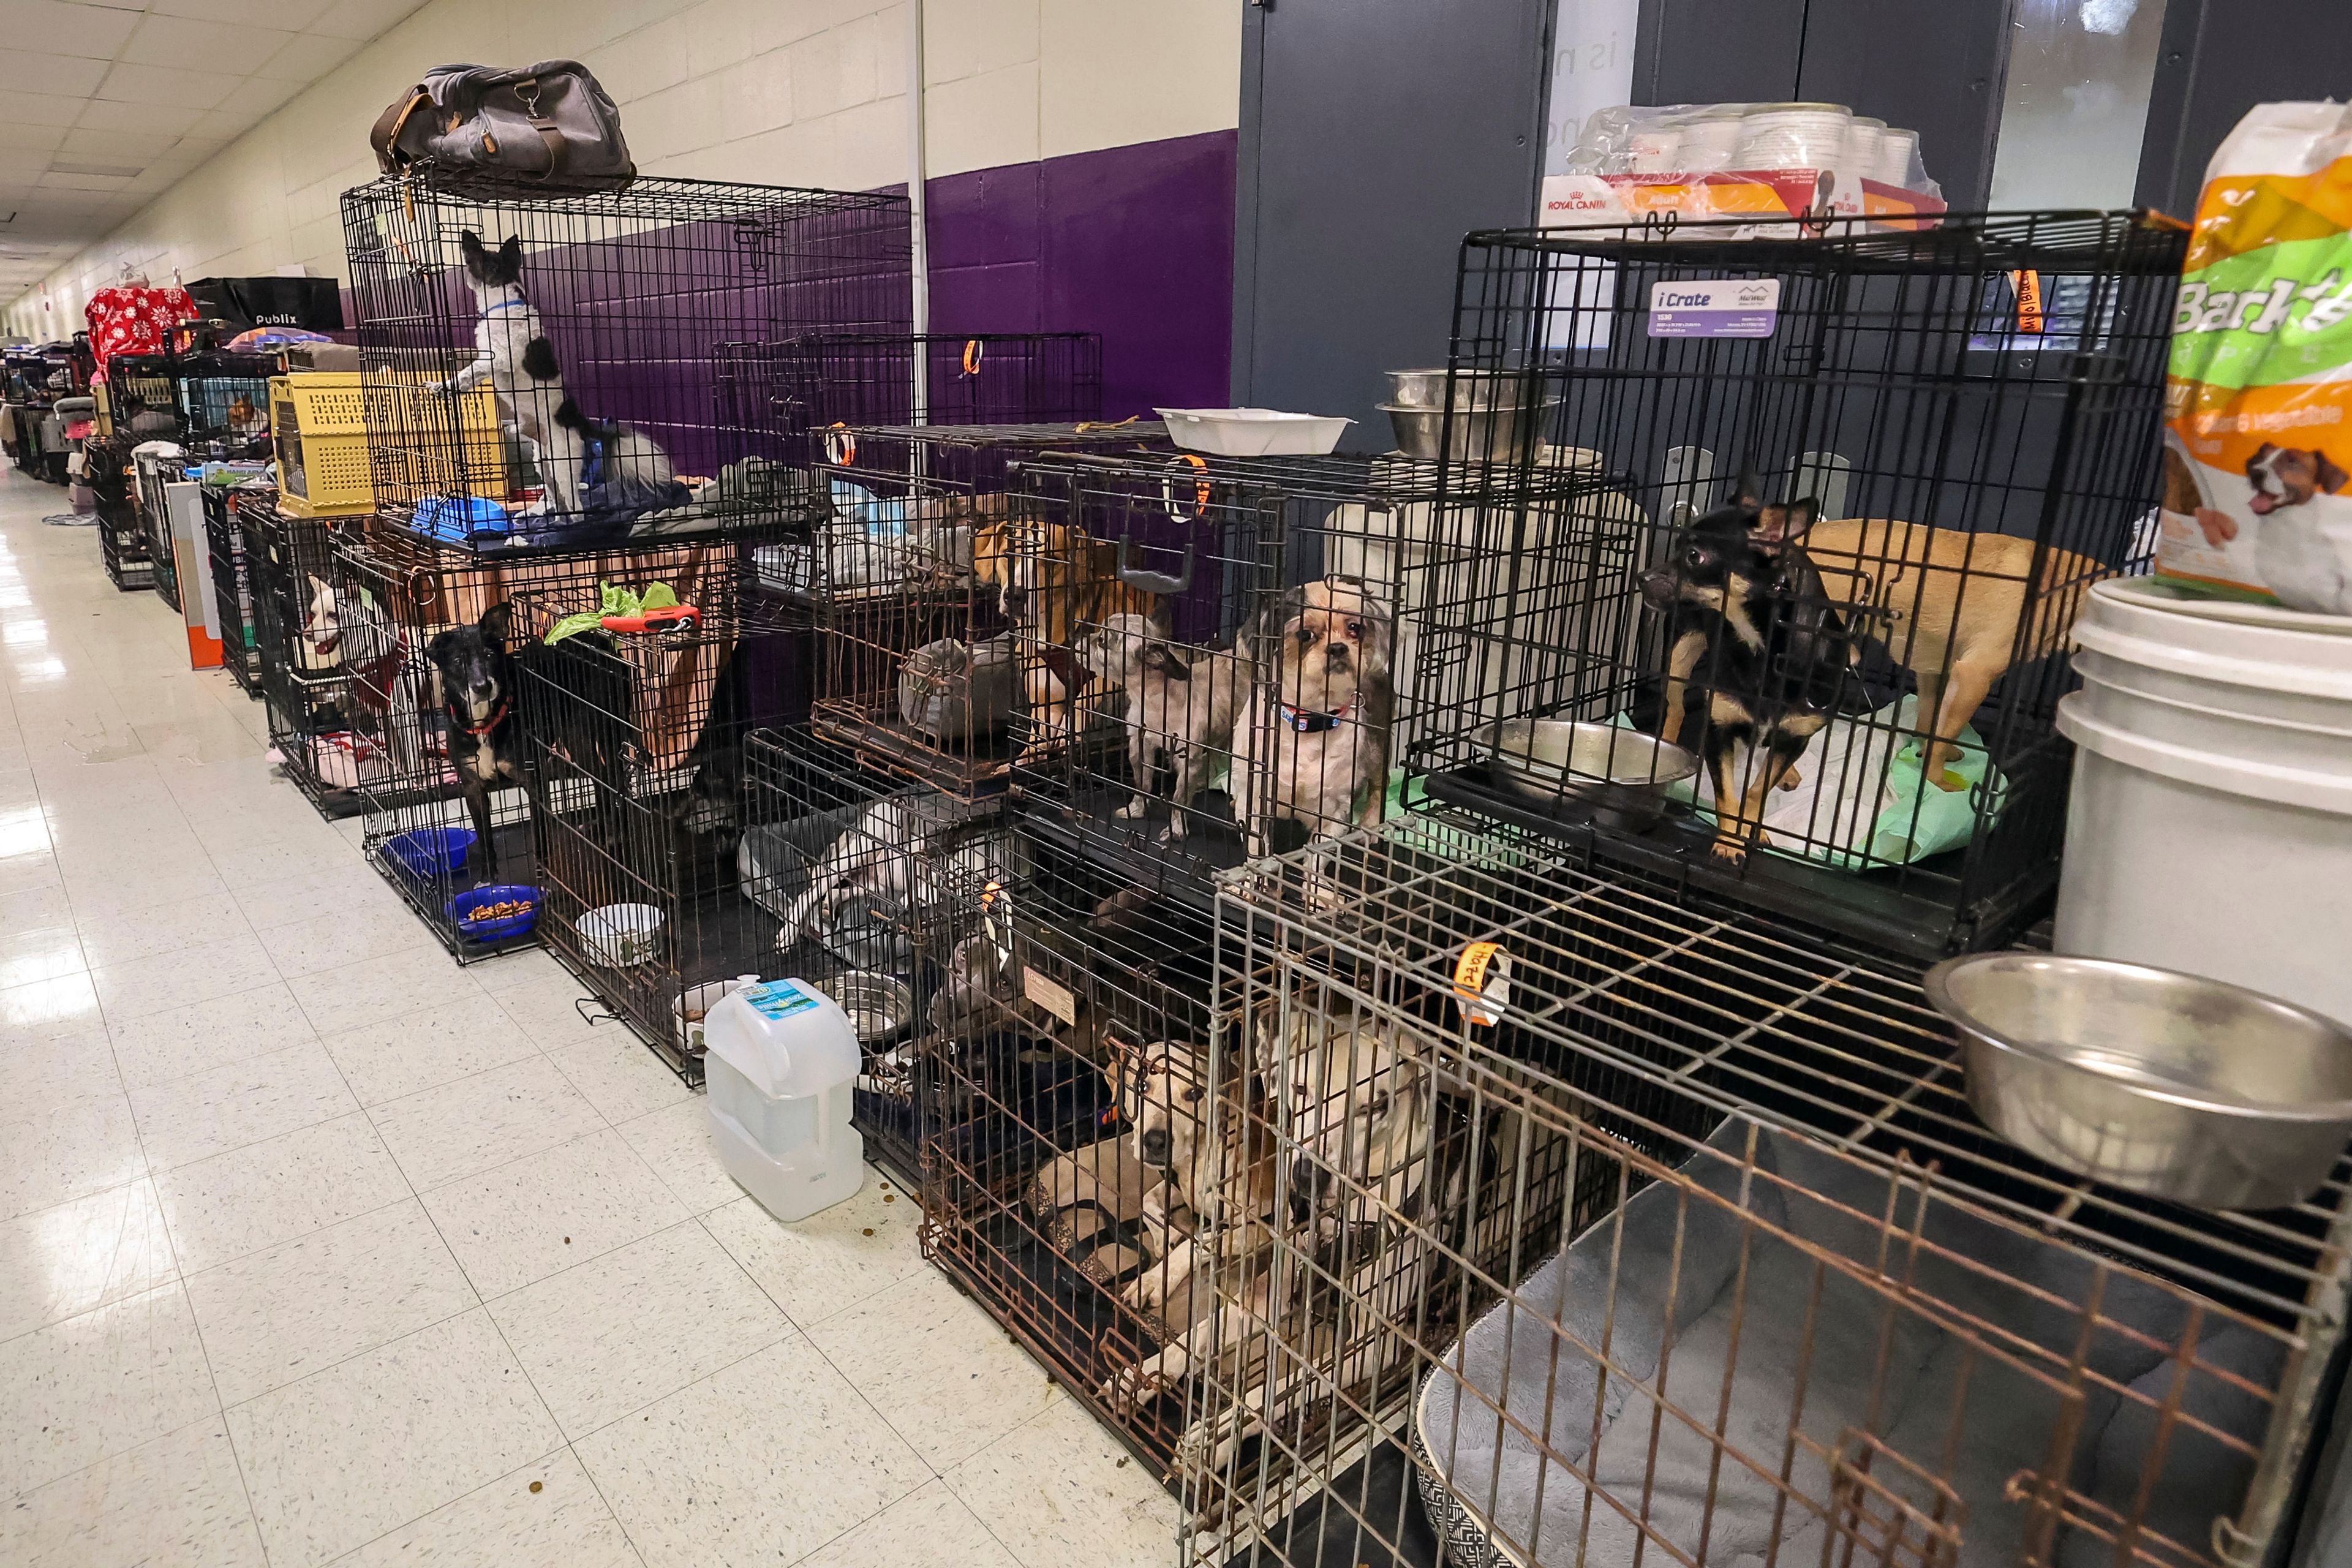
<point x="1188" y="1135"/>
<point x="1318" y="739"/>
<point x="1054" y="583"/>
<point x="1323" y="1281"/>
<point x="1182" y="705"/>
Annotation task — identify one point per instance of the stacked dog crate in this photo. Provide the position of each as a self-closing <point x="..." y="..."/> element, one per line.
<point x="289" y="564"/>
<point x="1588" y="1180"/>
<point x="575" y="640"/>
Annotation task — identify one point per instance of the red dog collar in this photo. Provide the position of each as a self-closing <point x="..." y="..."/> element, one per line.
<point x="495" y="720"/>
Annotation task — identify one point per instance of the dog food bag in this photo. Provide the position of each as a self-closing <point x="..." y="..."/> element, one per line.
<point x="2258" y="436"/>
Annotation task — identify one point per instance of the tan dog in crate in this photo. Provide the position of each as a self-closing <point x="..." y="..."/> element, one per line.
<point x="1314" y="1295"/>
<point x="1054" y="583"/>
<point x="1191" y="1136"/>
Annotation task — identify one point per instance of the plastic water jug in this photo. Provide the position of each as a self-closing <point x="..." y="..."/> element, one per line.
<point x="781" y="1065"/>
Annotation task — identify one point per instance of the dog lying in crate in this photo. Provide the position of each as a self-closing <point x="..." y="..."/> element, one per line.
<point x="1303" y="1239"/>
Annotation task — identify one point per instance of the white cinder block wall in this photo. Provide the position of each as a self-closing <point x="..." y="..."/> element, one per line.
<point x="803" y="92"/>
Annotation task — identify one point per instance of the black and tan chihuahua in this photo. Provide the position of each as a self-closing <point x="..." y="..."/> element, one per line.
<point x="1758" y="655"/>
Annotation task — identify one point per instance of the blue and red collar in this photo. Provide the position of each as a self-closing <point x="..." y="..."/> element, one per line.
<point x="1308" y="722"/>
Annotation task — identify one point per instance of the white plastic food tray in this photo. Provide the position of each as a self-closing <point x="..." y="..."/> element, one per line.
<point x="1251" y="432"/>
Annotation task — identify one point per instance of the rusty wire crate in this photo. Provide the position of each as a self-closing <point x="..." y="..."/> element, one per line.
<point x="1566" y="1219"/>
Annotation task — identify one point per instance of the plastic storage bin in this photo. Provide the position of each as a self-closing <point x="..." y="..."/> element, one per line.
<point x="781" y="1069"/>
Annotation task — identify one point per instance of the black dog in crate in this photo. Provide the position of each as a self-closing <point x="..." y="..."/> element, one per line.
<point x="1757" y="658"/>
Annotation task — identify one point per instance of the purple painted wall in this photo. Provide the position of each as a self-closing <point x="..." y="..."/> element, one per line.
<point x="1135" y="243"/>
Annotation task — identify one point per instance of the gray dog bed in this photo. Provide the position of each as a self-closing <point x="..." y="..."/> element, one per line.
<point x="1492" y="1490"/>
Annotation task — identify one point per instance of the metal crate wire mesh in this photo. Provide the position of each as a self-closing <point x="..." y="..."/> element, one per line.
<point x="122" y="535"/>
<point x="635" y="747"/>
<point x="870" y="888"/>
<point x="1662" y="1232"/>
<point x="1971" y="411"/>
<point x="232" y="586"/>
<point x="641" y="294"/>
<point x="1034" y="1199"/>
<point x="1213" y="650"/>
<point x="812" y="389"/>
<point x="313" y="725"/>
<point x="915" y="664"/>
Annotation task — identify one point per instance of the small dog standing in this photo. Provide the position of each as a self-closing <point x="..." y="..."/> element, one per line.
<point x="512" y="353"/>
<point x="1181" y="704"/>
<point x="1319" y="740"/>
<point x="1052" y="582"/>
<point x="474" y="683"/>
<point x="1754" y="640"/>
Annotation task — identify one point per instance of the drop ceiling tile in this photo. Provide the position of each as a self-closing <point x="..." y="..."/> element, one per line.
<point x="308" y="57"/>
<point x="161" y="84"/>
<point x="189" y="44"/>
<point x="22" y="109"/>
<point x="284" y="14"/>
<point x="136" y="147"/>
<point x="32" y="72"/>
<point x="89" y="32"/>
<point x="31" y="138"/>
<point x="105" y="184"/>
<point x="227" y="122"/>
<point x="150" y="118"/>
<point x="360" y="18"/>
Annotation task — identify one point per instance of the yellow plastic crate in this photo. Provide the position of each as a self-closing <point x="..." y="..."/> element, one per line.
<point x="329" y="467"/>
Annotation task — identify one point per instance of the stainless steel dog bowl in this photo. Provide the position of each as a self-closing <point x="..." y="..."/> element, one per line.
<point x="2155" y="1081"/>
<point x="1493" y="435"/>
<point x="880" y="1006"/>
<point x="1472" y="388"/>
<point x="1623" y="774"/>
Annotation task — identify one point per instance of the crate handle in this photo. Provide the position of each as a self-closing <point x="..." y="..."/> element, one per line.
<point x="1160" y="582"/>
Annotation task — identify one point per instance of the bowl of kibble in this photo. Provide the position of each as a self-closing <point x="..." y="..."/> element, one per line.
<point x="491" y="914"/>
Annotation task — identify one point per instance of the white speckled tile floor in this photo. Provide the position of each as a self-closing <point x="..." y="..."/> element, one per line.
<point x="388" y="1262"/>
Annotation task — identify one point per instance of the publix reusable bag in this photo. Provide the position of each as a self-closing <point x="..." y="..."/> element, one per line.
<point x="2258" y="440"/>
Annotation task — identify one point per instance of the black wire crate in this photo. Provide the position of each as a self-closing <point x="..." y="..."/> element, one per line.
<point x="153" y="472"/>
<point x="1867" y="478"/>
<point x="635" y="741"/>
<point x="232" y="583"/>
<point x="877" y="892"/>
<point x="813" y="389"/>
<point x="605" y="325"/>
<point x="1216" y="653"/>
<point x="320" y="735"/>
<point x="122" y="532"/>
<point x="209" y="402"/>
<point x="907" y="581"/>
<point x="436" y="652"/>
<point x="1077" y="993"/>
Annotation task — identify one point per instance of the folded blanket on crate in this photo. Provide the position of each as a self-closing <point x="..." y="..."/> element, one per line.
<point x="1493" y="1486"/>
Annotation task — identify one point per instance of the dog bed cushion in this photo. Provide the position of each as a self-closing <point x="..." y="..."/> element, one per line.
<point x="1495" y="1483"/>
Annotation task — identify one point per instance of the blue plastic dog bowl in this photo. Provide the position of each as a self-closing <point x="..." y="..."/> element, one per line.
<point x="462" y="909"/>
<point x="430" y="851"/>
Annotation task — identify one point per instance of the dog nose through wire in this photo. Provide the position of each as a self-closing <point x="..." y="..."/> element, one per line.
<point x="1155" y="1147"/>
<point x="1309" y="1184"/>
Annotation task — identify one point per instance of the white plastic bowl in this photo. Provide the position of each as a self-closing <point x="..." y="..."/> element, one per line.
<point x="620" y="935"/>
<point x="1253" y="432"/>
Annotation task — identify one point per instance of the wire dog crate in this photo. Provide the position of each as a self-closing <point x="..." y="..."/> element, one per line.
<point x="298" y="648"/>
<point x="871" y="888"/>
<point x="1949" y="433"/>
<point x="637" y="749"/>
<point x="1037" y="1200"/>
<point x="232" y="585"/>
<point x="915" y="669"/>
<point x="1246" y="625"/>
<point x="156" y="473"/>
<point x="208" y="400"/>
<point x="812" y="389"/>
<point x="1723" y="1268"/>
<point x="435" y="664"/>
<point x="121" y="534"/>
<point x="604" y="324"/>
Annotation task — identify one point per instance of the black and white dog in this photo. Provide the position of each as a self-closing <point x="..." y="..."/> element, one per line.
<point x="577" y="455"/>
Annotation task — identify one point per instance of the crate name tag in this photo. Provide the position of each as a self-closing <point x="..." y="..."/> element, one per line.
<point x="1720" y="308"/>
